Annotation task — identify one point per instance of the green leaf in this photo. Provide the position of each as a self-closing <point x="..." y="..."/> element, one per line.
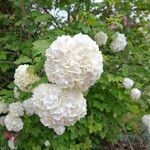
<point x="3" y="56"/>
<point x="23" y="59"/>
<point x="42" y="18"/>
<point x="40" y="47"/>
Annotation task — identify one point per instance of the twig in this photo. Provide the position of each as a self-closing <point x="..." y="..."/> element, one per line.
<point x="7" y="62"/>
<point x="131" y="147"/>
<point x="13" y="53"/>
<point x="54" y="19"/>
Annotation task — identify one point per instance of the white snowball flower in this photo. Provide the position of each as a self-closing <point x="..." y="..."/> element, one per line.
<point x="16" y="109"/>
<point x="11" y="144"/>
<point x="59" y="130"/>
<point x="74" y="62"/>
<point x="24" y="77"/>
<point x="101" y="38"/>
<point x="28" y="106"/>
<point x="128" y="83"/>
<point x="146" y="120"/>
<point x="119" y="43"/>
<point x="3" y="107"/>
<point x="2" y="123"/>
<point x="13" y="123"/>
<point x="58" y="107"/>
<point x="16" y="92"/>
<point x="47" y="143"/>
<point x="135" y="94"/>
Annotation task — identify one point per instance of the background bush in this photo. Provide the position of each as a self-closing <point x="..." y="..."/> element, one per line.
<point x="28" y="28"/>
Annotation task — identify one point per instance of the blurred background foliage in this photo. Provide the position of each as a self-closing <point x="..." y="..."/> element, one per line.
<point x="28" y="27"/>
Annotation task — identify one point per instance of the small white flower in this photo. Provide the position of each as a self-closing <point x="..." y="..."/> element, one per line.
<point x="16" y="109"/>
<point x="28" y="106"/>
<point x="47" y="143"/>
<point x="3" y="107"/>
<point x="74" y="62"/>
<point x="24" y="77"/>
<point x="2" y="123"/>
<point x="101" y="38"/>
<point x="97" y="1"/>
<point x="16" y="92"/>
<point x="135" y="94"/>
<point x="13" y="123"/>
<point x="128" y="83"/>
<point x="11" y="144"/>
<point x="119" y="43"/>
<point x="59" y="130"/>
<point x="137" y="20"/>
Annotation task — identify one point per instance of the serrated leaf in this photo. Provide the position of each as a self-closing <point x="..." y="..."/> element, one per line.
<point x="23" y="59"/>
<point x="40" y="47"/>
<point x="42" y="18"/>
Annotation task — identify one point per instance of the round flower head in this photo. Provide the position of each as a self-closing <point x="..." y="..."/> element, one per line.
<point x="135" y="94"/>
<point x="146" y="120"/>
<point x="101" y="38"/>
<point x="13" y="123"/>
<point x="11" y="143"/>
<point x="58" y="107"/>
<point x="74" y="62"/>
<point x="16" y="109"/>
<point x="28" y="106"/>
<point x="128" y="83"/>
<point x="3" y="107"/>
<point x="24" y="77"/>
<point x="119" y="43"/>
<point x="47" y="143"/>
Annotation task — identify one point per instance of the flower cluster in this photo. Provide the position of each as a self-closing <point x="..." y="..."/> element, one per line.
<point x="135" y="94"/>
<point x="16" y="109"/>
<point x="101" y="38"/>
<point x="146" y="121"/>
<point x="12" y="120"/>
<point x="128" y="83"/>
<point x="119" y="43"/>
<point x="13" y="123"/>
<point x="24" y="77"/>
<point x="3" y="107"/>
<point x="74" y="62"/>
<point x="11" y="143"/>
<point x="58" y="107"/>
<point x="47" y="143"/>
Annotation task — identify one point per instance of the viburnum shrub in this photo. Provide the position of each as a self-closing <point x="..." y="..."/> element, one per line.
<point x="74" y="74"/>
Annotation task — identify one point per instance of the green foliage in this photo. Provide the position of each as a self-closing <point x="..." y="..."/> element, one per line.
<point x="26" y="34"/>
